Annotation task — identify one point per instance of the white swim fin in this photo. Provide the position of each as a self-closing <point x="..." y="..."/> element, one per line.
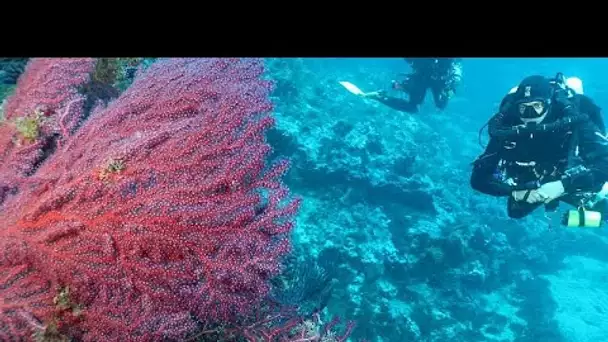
<point x="352" y="88"/>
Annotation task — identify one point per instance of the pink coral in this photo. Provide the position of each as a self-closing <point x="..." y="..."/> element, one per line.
<point x="159" y="212"/>
<point x="46" y="88"/>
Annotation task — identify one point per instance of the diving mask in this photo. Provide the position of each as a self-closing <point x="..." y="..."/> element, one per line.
<point x="532" y="110"/>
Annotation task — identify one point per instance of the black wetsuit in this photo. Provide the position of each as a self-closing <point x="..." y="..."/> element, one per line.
<point x="438" y="74"/>
<point x="532" y="159"/>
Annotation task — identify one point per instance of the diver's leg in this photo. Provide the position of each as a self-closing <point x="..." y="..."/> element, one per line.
<point x="398" y="104"/>
<point x="440" y="95"/>
<point x="414" y="86"/>
<point x="416" y="96"/>
<point x="416" y="91"/>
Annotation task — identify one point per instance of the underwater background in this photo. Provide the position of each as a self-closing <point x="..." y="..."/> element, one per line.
<point x="388" y="210"/>
<point x="389" y="233"/>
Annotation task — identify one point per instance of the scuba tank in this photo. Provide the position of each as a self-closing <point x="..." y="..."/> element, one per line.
<point x="583" y="217"/>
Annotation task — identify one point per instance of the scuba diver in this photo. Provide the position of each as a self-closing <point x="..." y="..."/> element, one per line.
<point x="547" y="144"/>
<point x="441" y="75"/>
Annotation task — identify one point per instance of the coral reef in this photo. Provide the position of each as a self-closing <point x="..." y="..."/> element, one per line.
<point x="157" y="214"/>
<point x="44" y="108"/>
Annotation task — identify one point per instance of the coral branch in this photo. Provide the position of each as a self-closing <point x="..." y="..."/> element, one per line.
<point x="31" y="113"/>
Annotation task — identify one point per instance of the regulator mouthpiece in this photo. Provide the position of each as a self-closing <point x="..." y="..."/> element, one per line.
<point x="582" y="218"/>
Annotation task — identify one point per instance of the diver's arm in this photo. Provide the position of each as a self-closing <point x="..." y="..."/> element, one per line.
<point x="593" y="149"/>
<point x="482" y="177"/>
<point x="587" y="105"/>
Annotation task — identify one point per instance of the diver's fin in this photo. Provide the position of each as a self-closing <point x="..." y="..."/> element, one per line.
<point x="352" y="88"/>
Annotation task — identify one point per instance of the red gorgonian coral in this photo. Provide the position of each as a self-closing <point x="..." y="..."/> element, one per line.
<point x="158" y="213"/>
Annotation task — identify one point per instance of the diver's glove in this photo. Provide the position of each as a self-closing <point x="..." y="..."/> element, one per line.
<point x="551" y="191"/>
<point x="529" y="196"/>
